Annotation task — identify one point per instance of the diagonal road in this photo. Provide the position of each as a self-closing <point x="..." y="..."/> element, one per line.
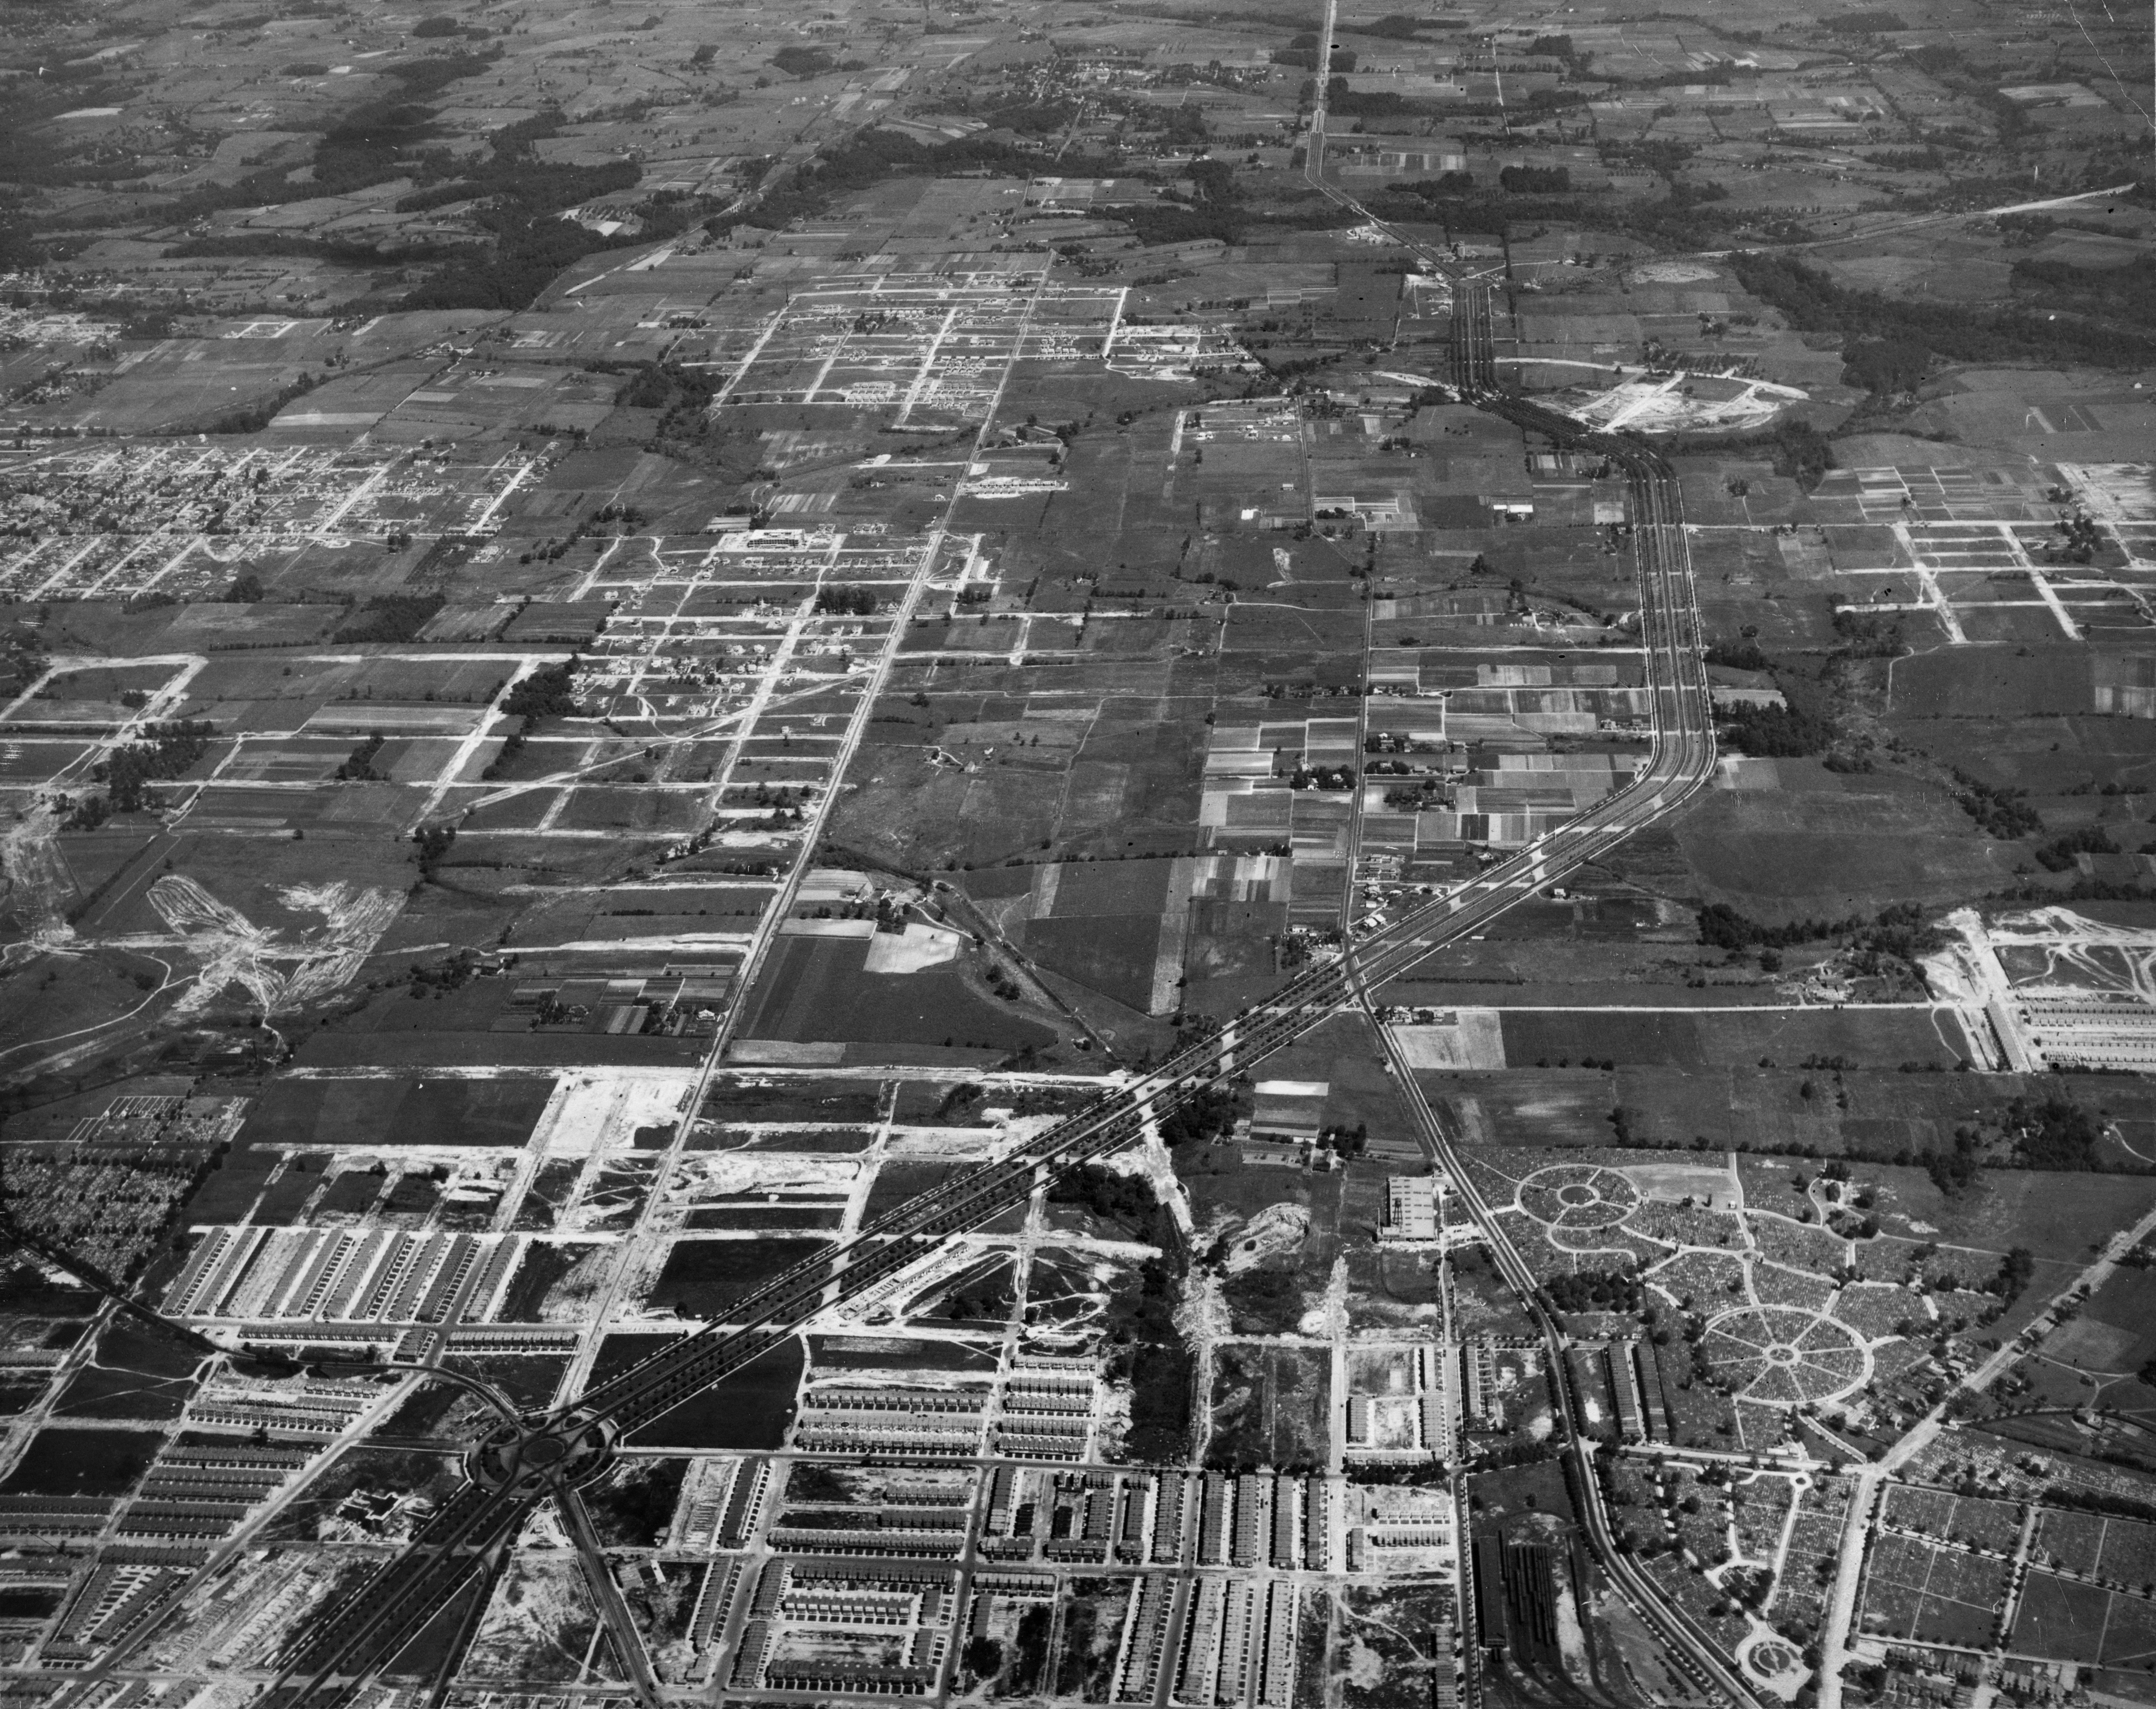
<point x="1680" y="762"/>
<point x="359" y="1636"/>
<point x="549" y="1454"/>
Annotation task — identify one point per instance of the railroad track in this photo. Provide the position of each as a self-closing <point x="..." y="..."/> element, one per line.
<point x="517" y="1466"/>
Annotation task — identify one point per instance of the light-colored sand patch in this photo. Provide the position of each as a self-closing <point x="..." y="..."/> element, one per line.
<point x="1680" y="402"/>
<point x="827" y="928"/>
<point x="1742" y="771"/>
<point x="1274" y="1230"/>
<point x="708" y="1174"/>
<point x="786" y="1052"/>
<point x="946" y="1144"/>
<point x="1459" y="1038"/>
<point x="598" y="1112"/>
<point x="1365" y="1667"/>
<point x="909" y="952"/>
<point x="1393" y="1420"/>
<point x="571" y="1299"/>
<point x="1672" y="273"/>
<point x="1673" y="1182"/>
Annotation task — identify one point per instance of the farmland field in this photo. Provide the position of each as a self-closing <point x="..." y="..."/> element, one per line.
<point x="632" y="638"/>
<point x="2060" y="1618"/>
<point x="702" y="1277"/>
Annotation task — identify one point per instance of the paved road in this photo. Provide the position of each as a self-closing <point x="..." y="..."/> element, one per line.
<point x="1857" y="1528"/>
<point x="350" y="1642"/>
<point x="1680" y="762"/>
<point x="1693" y="1649"/>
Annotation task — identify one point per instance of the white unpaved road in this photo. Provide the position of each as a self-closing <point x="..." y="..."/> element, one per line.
<point x="578" y="1376"/>
<point x="1856" y="1530"/>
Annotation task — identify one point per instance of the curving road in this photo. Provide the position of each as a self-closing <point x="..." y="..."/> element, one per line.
<point x="550" y="1454"/>
<point x="1681" y="761"/>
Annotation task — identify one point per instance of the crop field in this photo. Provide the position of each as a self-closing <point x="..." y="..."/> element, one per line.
<point x="745" y="1412"/>
<point x="2115" y="1332"/>
<point x="2061" y="1619"/>
<point x="1931" y="1595"/>
<point x="87" y="1461"/>
<point x="2129" y="1634"/>
<point x="860" y="1354"/>
<point x="1270" y="1407"/>
<point x="746" y="1218"/>
<point x="749" y="1099"/>
<point x="816" y="989"/>
<point x="628" y="640"/>
<point x="344" y="1114"/>
<point x="1721" y="1038"/>
<point x="702" y="1277"/>
<point x="2073" y="1541"/>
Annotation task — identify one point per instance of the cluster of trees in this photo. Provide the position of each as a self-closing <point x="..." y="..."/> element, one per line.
<point x="527" y="250"/>
<point x="2081" y="539"/>
<point x="1174" y="223"/>
<point x="2058" y="855"/>
<point x="1772" y="733"/>
<point x="1959" y="1167"/>
<point x="1868" y="634"/>
<point x="1351" y="103"/>
<point x="1686" y="217"/>
<point x="1302" y="53"/>
<point x="1721" y="926"/>
<point x="512" y="171"/>
<point x="682" y="395"/>
<point x="359" y="766"/>
<point x="1201" y="1119"/>
<point x="2050" y="1132"/>
<point x="1890" y="338"/>
<point x="372" y="144"/>
<point x="2054" y="1133"/>
<point x="1153" y="1358"/>
<point x="511" y="745"/>
<point x="167" y="752"/>
<point x="871" y="155"/>
<point x="1594" y="1290"/>
<point x="1797" y="450"/>
<point x="846" y="601"/>
<point x="2125" y="293"/>
<point x="1883" y="366"/>
<point x="388" y="616"/>
<point x="2086" y="1500"/>
<point x="253" y="418"/>
<point x="546" y="693"/>
<point x="987" y="1299"/>
<point x="1744" y="655"/>
<point x="1264" y="1302"/>
<point x="1901" y="931"/>
<point x="1038" y="118"/>
<point x="1127" y="1200"/>
<point x="1401" y="26"/>
<point x="433" y="842"/>
<point x="522" y="196"/>
<point x="2000" y="811"/>
<point x="1898" y="930"/>
<point x="796" y="61"/>
<point x="633" y="1511"/>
